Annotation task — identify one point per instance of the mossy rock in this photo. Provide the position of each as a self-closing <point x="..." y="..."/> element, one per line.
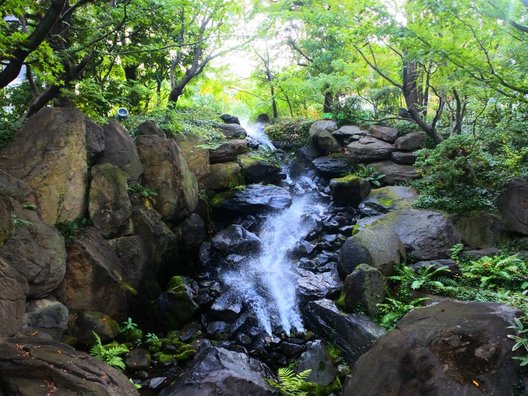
<point x="176" y="306"/>
<point x="349" y="190"/>
<point x="390" y="198"/>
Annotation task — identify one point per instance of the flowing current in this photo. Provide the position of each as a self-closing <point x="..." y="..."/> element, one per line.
<point x="267" y="281"/>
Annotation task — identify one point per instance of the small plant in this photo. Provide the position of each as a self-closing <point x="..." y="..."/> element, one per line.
<point x="521" y="340"/>
<point x="128" y="325"/>
<point x="456" y="252"/>
<point x="146" y="193"/>
<point x="18" y="222"/>
<point x="110" y="354"/>
<point x="393" y="310"/>
<point x="291" y="383"/>
<point x="370" y="174"/>
<point x="497" y="271"/>
<point x="70" y="229"/>
<point x="153" y="341"/>
<point x="424" y="278"/>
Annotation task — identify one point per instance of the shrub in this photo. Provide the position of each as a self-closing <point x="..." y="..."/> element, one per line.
<point x="295" y="132"/>
<point x="351" y="110"/>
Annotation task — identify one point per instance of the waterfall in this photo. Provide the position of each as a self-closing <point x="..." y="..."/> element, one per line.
<point x="256" y="132"/>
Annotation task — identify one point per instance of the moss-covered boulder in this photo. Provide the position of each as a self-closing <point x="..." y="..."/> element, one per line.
<point x="228" y="151"/>
<point x="176" y="306"/>
<point x="364" y="288"/>
<point x="257" y="169"/>
<point x="386" y="199"/>
<point x="86" y="323"/>
<point x="222" y="176"/>
<point x="349" y="190"/>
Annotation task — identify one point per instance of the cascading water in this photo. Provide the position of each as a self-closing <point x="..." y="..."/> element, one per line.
<point x="256" y="131"/>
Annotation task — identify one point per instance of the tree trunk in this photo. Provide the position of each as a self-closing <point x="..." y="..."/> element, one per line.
<point x="328" y="104"/>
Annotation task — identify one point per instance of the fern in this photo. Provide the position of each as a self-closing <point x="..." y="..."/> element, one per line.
<point x="291" y="383"/>
<point x="110" y="354"/>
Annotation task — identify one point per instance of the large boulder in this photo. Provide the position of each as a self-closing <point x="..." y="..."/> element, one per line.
<point x="451" y="348"/>
<point x="196" y="153"/>
<point x="232" y="131"/>
<point x="379" y="247"/>
<point x="167" y="173"/>
<point x="255" y="198"/>
<point x="95" y="139"/>
<point x="395" y="173"/>
<point x="353" y="334"/>
<point x="349" y="190"/>
<point x="513" y="205"/>
<point x="218" y="371"/>
<point x="46" y="316"/>
<point x="228" y="151"/>
<point x="133" y="254"/>
<point x="480" y="229"/>
<point x="13" y="289"/>
<point x="235" y="239"/>
<point x="109" y="205"/>
<point x="259" y="170"/>
<point x="368" y="149"/>
<point x="389" y="198"/>
<point x="314" y="286"/>
<point x="223" y="176"/>
<point x="37" y="252"/>
<point x="31" y="366"/>
<point x="230" y="119"/>
<point x="332" y="166"/>
<point x="54" y="165"/>
<point x="411" y="141"/>
<point x="120" y="150"/>
<point x="176" y="306"/>
<point x="94" y="278"/>
<point x="321" y="135"/>
<point x="403" y="157"/>
<point x="318" y="360"/>
<point x="364" y="289"/>
<point x="348" y="133"/>
<point x="387" y="134"/>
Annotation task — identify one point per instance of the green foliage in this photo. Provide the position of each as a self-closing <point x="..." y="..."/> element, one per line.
<point x="458" y="176"/>
<point x="295" y="132"/>
<point x="392" y="310"/>
<point x="153" y="341"/>
<point x="351" y="110"/>
<point x="497" y="272"/>
<point x="110" y="353"/>
<point x="18" y="222"/>
<point x="70" y="229"/>
<point x="291" y="383"/>
<point x="521" y="339"/>
<point x="424" y="278"/>
<point x="142" y="190"/>
<point x="370" y="174"/>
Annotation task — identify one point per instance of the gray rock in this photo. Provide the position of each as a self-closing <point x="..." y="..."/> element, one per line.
<point x="255" y="198"/>
<point x="176" y="307"/>
<point x="95" y="139"/>
<point x="333" y="166"/>
<point x="386" y="134"/>
<point x="390" y="198"/>
<point x="193" y="232"/>
<point x="353" y="334"/>
<point x="403" y="158"/>
<point x="121" y="151"/>
<point x="321" y="134"/>
<point x="314" y="286"/>
<point x="228" y="151"/>
<point x="364" y="288"/>
<point x="453" y="269"/>
<point x="395" y="173"/>
<point x="138" y="359"/>
<point x="44" y="366"/>
<point x="232" y="131"/>
<point x="348" y="133"/>
<point x="451" y="348"/>
<point x="411" y="141"/>
<point x="150" y="128"/>
<point x="13" y="289"/>
<point x="513" y="205"/>
<point x="88" y="322"/>
<point x="480" y="229"/>
<point x="235" y="239"/>
<point x="258" y="170"/>
<point x="195" y="151"/>
<point x="218" y="371"/>
<point x="317" y="359"/>
<point x="368" y="149"/>
<point x="223" y="176"/>
<point x="349" y="190"/>
<point x="227" y="307"/>
<point x="46" y="316"/>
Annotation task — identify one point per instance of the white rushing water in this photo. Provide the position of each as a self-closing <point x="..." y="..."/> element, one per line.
<point x="256" y="131"/>
<point x="267" y="282"/>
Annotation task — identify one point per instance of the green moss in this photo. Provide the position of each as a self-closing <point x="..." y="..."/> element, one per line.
<point x="186" y="353"/>
<point x="346" y="179"/>
<point x="340" y="302"/>
<point x="164" y="358"/>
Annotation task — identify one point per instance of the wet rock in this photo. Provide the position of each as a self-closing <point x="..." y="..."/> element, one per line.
<point x="227" y="307"/>
<point x="395" y="173"/>
<point x="317" y="359"/>
<point x="450" y="348"/>
<point x="321" y="134"/>
<point x="133" y="254"/>
<point x="94" y="277"/>
<point x="259" y="170"/>
<point x="235" y="239"/>
<point x="380" y="248"/>
<point x="95" y="140"/>
<point x="312" y="286"/>
<point x="513" y="205"/>
<point x="46" y="316"/>
<point x="403" y="158"/>
<point x="390" y="198"/>
<point x="54" y="165"/>
<point x="332" y="166"/>
<point x="121" y="151"/>
<point x="411" y="141"/>
<point x="349" y="190"/>
<point x="348" y="133"/>
<point x="167" y="173"/>
<point x="13" y="289"/>
<point x="138" y="359"/>
<point x="387" y="134"/>
<point x="196" y="154"/>
<point x="223" y="176"/>
<point x="364" y="288"/>
<point x="480" y="229"/>
<point x="453" y="269"/>
<point x="193" y="232"/>
<point x="353" y="334"/>
<point x="218" y="371"/>
<point x="229" y="119"/>
<point x="255" y="198"/>
<point x="109" y="205"/>
<point x="43" y="366"/>
<point x="176" y="306"/>
<point x="88" y="322"/>
<point x="308" y="153"/>
<point x="232" y="131"/>
<point x="368" y="149"/>
<point x="218" y="330"/>
<point x="228" y="151"/>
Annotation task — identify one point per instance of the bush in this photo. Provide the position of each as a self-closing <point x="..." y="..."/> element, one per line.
<point x="458" y="176"/>
<point x="295" y="132"/>
<point x="351" y="110"/>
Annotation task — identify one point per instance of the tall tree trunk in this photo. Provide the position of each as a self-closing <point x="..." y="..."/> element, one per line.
<point x="328" y="104"/>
